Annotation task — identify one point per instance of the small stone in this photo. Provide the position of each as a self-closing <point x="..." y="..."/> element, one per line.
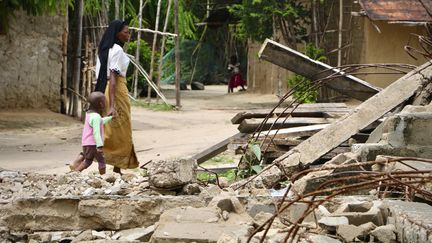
<point x="385" y="233"/>
<point x="99" y="234"/>
<point x="321" y="239"/>
<point x="367" y="227"/>
<point x="89" y="192"/>
<point x="227" y="203"/>
<point x="228" y="238"/>
<point x="56" y="236"/>
<point x="212" y="220"/>
<point x="191" y="189"/>
<point x="223" y="182"/>
<point x="84" y="236"/>
<point x="225" y="215"/>
<point x="111" y="178"/>
<point x="349" y="232"/>
<point x="128" y="177"/>
<point x="140" y="234"/>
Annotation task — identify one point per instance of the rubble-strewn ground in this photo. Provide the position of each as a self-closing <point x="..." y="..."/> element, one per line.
<point x="44" y="141"/>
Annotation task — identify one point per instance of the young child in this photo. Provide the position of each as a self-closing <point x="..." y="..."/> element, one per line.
<point x="236" y="78"/>
<point x="92" y="135"/>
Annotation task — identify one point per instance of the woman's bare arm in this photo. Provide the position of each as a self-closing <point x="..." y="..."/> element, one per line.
<point x="112" y="89"/>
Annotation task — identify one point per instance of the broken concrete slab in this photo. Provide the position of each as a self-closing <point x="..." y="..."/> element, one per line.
<point x="349" y="232"/>
<point x="311" y="181"/>
<point x="172" y="174"/>
<point x="227" y="203"/>
<point x="313" y="238"/>
<point x="251" y="125"/>
<point x="299" y="63"/>
<point x="361" y="212"/>
<point x="302" y="110"/>
<point x="140" y="234"/>
<point x="54" y="214"/>
<point x="341" y="130"/>
<point x="295" y="211"/>
<point x="385" y="233"/>
<point x="405" y="134"/>
<point x="412" y="220"/>
<point x="217" y="148"/>
<point x="193" y="225"/>
<point x="331" y="223"/>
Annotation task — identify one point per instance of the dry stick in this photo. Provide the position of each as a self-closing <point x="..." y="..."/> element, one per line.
<point x="162" y="50"/>
<point x="137" y="56"/>
<point x="154" y="49"/>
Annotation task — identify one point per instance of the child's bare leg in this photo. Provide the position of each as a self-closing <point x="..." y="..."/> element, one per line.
<point x="77" y="162"/>
<point x="101" y="163"/>
<point x="84" y="165"/>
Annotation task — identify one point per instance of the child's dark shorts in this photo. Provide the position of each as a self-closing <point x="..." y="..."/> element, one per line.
<point x="90" y="153"/>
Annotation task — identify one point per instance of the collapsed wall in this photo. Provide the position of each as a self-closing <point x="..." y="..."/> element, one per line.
<point x="31" y="61"/>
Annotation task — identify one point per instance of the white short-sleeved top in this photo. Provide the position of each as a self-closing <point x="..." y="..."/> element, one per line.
<point x="117" y="61"/>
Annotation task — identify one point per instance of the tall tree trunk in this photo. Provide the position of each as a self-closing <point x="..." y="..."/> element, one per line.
<point x="77" y="64"/>
<point x="154" y="48"/>
<point x="116" y="9"/>
<point x="162" y="50"/>
<point x="177" y="53"/>
<point x="135" y="86"/>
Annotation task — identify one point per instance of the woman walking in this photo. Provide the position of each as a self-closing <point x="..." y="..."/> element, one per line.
<point x="111" y="67"/>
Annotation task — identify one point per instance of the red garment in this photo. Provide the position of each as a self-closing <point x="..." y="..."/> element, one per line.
<point x="236" y="80"/>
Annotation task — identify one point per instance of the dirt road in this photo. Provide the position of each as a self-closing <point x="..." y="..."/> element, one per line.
<point x="45" y="142"/>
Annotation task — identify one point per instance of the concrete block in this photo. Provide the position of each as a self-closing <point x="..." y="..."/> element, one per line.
<point x="413" y="220"/>
<point x="331" y="223"/>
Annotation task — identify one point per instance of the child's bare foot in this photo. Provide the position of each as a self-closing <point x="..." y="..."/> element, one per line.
<point x="102" y="171"/>
<point x="74" y="165"/>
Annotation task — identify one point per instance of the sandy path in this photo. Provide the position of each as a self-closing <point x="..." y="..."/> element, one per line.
<point x="44" y="141"/>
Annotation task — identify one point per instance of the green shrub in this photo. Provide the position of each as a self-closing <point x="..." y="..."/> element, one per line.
<point x="304" y="89"/>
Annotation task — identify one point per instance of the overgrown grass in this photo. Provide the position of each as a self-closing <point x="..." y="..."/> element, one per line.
<point x="152" y="106"/>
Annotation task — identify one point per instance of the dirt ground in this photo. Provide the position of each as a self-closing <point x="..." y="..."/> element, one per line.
<point x="44" y="141"/>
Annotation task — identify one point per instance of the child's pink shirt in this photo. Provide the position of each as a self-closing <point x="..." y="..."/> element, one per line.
<point x="93" y="131"/>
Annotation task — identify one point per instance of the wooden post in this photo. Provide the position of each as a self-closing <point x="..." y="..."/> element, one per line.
<point x="162" y="50"/>
<point x="63" y="91"/>
<point x="135" y="83"/>
<point x="77" y="64"/>
<point x="177" y="54"/>
<point x="339" y="60"/>
<point x="154" y="49"/>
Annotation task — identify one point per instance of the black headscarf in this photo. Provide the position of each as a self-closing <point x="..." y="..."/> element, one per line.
<point x="108" y="40"/>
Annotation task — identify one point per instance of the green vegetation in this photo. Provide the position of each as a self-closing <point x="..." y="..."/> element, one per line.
<point x="152" y="106"/>
<point x="210" y="177"/>
<point x="304" y="89"/>
<point x="259" y="17"/>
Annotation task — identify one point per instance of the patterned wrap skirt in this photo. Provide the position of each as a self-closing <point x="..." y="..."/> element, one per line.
<point x="118" y="145"/>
